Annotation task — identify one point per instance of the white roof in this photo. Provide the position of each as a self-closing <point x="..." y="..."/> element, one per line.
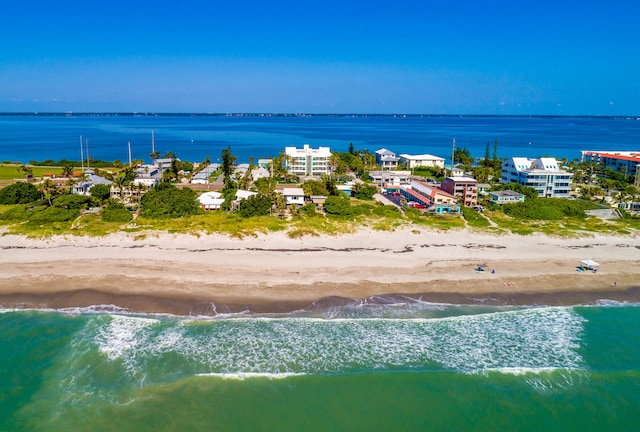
<point x="383" y="151"/>
<point x="210" y="198"/>
<point x="420" y="157"/>
<point x="292" y="192"/>
<point x="242" y="194"/>
<point x="306" y="150"/>
<point x="589" y="263"/>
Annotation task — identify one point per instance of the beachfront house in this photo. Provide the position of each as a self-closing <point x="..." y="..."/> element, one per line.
<point x="307" y="161"/>
<point x="294" y="196"/>
<point x="542" y="174"/>
<point x="210" y="201"/>
<point x="386" y="159"/>
<point x="506" y="197"/>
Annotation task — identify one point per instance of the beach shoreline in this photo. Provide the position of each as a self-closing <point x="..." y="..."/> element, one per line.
<point x="213" y="274"/>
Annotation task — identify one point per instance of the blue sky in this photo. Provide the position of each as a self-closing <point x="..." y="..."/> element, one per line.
<point x="438" y="57"/>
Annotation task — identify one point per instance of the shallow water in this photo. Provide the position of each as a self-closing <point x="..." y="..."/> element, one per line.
<point x="411" y="366"/>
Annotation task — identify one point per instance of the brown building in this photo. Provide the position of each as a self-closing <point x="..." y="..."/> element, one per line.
<point x="463" y="188"/>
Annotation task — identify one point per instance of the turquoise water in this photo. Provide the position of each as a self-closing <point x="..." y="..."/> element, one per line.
<point x="414" y="366"/>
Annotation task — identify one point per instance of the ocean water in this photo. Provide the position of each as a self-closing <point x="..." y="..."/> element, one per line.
<point x="39" y="137"/>
<point x="404" y="366"/>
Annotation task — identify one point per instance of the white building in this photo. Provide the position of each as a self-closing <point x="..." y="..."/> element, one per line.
<point x="210" y="201"/>
<point x="506" y="197"/>
<point x="423" y="160"/>
<point x="391" y="178"/>
<point x="308" y="161"/>
<point x="294" y="196"/>
<point x="386" y="159"/>
<point x="543" y="174"/>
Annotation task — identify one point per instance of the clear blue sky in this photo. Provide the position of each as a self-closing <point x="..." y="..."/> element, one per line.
<point x="444" y="57"/>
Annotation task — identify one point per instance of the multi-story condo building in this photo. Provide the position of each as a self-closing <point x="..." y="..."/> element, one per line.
<point x="308" y="161"/>
<point x="463" y="188"/>
<point x="626" y="162"/>
<point x="543" y="174"/>
<point x="386" y="159"/>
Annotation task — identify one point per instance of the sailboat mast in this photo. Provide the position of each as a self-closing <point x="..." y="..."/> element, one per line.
<point x="129" y="144"/>
<point x="81" y="155"/>
<point x="453" y="146"/>
<point x="87" y="145"/>
<point x="153" y="144"/>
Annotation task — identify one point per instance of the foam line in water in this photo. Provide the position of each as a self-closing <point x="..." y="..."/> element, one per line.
<point x="535" y="339"/>
<point x="244" y="376"/>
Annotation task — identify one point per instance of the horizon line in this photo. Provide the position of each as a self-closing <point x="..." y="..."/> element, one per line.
<point x="297" y="114"/>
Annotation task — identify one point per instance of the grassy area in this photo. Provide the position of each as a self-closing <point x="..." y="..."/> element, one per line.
<point x="215" y="222"/>
<point x="474" y="219"/>
<point x="11" y="172"/>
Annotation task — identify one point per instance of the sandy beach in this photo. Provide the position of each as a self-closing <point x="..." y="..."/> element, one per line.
<point x="209" y="274"/>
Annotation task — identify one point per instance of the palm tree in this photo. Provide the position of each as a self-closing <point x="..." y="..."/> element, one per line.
<point x="119" y="183"/>
<point x="67" y="171"/>
<point x="47" y="188"/>
<point x="26" y="170"/>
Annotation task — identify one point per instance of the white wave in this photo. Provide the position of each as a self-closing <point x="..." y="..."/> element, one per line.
<point x="122" y="334"/>
<point x="612" y="303"/>
<point x="95" y="309"/>
<point x="513" y="341"/>
<point x="525" y="370"/>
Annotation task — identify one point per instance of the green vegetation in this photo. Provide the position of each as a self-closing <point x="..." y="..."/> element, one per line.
<point x="101" y="191"/>
<point x="19" y="193"/>
<point x="116" y="212"/>
<point x="46" y="208"/>
<point x="474" y="219"/>
<point x="167" y="201"/>
<point x="15" y="171"/>
<point x="255" y="205"/>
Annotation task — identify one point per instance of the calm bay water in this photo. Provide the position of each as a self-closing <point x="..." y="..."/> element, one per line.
<point x="38" y="137"/>
<point x="414" y="366"/>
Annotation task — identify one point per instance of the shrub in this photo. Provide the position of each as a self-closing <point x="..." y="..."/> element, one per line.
<point x="308" y="210"/>
<point x="546" y="209"/>
<point x="338" y="205"/>
<point x="53" y="214"/>
<point x="101" y="191"/>
<point x="70" y="201"/>
<point x="166" y="201"/>
<point x="116" y="212"/>
<point x="19" y="193"/>
<point x="364" y="191"/>
<point x="15" y="214"/>
<point x="255" y="205"/>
